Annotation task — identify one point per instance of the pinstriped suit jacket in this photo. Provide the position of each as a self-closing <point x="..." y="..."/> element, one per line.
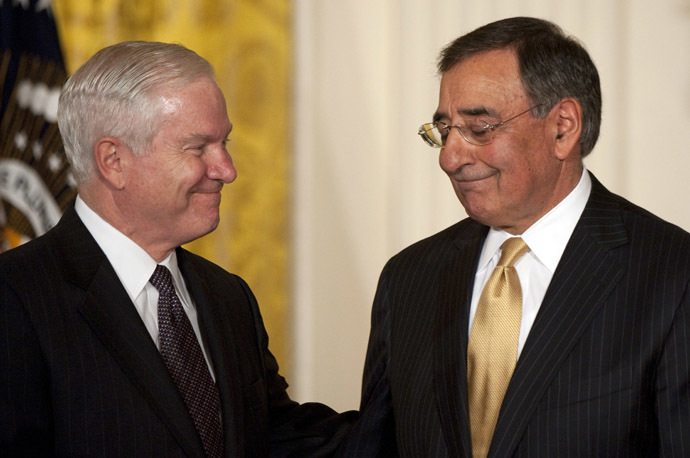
<point x="81" y="376"/>
<point x="605" y="371"/>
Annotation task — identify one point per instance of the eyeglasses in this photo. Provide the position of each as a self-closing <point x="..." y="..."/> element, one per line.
<point x="476" y="132"/>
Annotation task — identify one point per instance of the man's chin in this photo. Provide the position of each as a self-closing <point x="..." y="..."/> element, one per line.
<point x="474" y="211"/>
<point x="200" y="230"/>
<point x="212" y="226"/>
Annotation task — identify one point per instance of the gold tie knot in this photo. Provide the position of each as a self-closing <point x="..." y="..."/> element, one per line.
<point x="511" y="250"/>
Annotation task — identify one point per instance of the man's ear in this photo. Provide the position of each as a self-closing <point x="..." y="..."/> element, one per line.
<point x="111" y="157"/>
<point x="568" y="113"/>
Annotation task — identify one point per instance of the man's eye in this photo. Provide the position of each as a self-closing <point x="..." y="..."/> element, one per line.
<point x="195" y="149"/>
<point x="478" y="129"/>
<point x="443" y="128"/>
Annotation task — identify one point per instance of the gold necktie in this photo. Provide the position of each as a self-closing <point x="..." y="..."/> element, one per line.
<point x="492" y="348"/>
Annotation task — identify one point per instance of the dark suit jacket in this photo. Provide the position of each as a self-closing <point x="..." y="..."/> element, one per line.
<point x="81" y="376"/>
<point x="605" y="370"/>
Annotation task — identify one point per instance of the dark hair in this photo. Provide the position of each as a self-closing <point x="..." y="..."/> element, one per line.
<point x="553" y="66"/>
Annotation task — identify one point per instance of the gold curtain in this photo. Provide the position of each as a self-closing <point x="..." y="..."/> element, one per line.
<point x="248" y="43"/>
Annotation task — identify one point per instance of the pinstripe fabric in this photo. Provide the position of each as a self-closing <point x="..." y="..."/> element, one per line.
<point x="605" y="370"/>
<point x="81" y="376"/>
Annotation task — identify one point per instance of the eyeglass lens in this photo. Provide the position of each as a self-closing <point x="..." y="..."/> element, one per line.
<point x="476" y="133"/>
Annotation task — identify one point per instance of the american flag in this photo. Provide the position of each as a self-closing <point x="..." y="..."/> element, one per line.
<point x="35" y="179"/>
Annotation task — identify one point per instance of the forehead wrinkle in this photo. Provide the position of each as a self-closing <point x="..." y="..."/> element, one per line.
<point x="196" y="137"/>
<point x="199" y="137"/>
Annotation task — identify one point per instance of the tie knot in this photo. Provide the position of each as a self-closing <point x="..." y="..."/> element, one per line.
<point x="511" y="250"/>
<point x="162" y="280"/>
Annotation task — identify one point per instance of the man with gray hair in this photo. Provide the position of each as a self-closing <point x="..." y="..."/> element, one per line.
<point x="555" y="320"/>
<point x="116" y="341"/>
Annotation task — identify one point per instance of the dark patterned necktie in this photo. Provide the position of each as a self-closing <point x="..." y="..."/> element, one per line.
<point x="185" y="361"/>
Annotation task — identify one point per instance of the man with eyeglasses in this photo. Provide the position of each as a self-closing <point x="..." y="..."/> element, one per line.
<point x="553" y="322"/>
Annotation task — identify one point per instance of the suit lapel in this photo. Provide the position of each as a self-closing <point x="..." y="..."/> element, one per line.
<point x="450" y="368"/>
<point x="113" y="318"/>
<point x="583" y="279"/>
<point x="215" y="325"/>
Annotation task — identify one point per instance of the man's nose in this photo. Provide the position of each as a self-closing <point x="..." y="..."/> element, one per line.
<point x="456" y="153"/>
<point x="221" y="168"/>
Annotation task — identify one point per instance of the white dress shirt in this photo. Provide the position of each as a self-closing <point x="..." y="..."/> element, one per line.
<point x="134" y="268"/>
<point x="546" y="239"/>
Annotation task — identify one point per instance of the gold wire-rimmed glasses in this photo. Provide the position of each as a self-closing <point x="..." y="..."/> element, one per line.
<point x="476" y="132"/>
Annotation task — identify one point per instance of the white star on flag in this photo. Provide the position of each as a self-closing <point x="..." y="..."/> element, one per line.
<point x="20" y="140"/>
<point x="54" y="163"/>
<point x="37" y="149"/>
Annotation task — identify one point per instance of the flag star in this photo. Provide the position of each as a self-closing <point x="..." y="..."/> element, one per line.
<point x="20" y="140"/>
<point x="51" y="105"/>
<point x="37" y="148"/>
<point x="54" y="163"/>
<point x="25" y="91"/>
<point x="39" y="99"/>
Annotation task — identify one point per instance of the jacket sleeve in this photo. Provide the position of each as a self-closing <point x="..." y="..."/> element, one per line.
<point x="309" y="430"/>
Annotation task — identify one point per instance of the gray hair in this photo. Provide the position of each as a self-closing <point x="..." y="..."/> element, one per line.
<point x="553" y="66"/>
<point x="115" y="93"/>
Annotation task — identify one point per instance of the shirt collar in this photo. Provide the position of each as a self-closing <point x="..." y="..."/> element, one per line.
<point x="131" y="263"/>
<point x="548" y="236"/>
